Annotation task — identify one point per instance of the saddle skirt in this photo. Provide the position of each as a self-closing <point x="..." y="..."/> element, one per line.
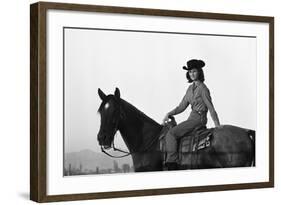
<point x="188" y="145"/>
<point x="197" y="140"/>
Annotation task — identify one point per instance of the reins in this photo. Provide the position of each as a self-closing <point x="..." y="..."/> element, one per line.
<point x="115" y="149"/>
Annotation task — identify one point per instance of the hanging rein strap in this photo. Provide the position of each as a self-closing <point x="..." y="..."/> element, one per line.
<point x="114" y="148"/>
<point x="115" y="156"/>
<point x="128" y="153"/>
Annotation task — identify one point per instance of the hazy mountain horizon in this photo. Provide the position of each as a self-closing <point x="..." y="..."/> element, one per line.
<point x="88" y="159"/>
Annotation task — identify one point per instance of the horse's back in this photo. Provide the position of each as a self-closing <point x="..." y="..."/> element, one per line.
<point x="226" y="146"/>
<point x="234" y="137"/>
<point x="235" y="142"/>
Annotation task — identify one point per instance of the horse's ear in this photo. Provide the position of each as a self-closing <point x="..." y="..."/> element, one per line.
<point x="101" y="94"/>
<point x="117" y="93"/>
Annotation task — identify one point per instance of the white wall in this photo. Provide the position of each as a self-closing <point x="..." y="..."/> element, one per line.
<point x="14" y="109"/>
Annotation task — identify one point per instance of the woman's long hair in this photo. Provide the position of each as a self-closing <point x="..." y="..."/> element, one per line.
<point x="201" y="76"/>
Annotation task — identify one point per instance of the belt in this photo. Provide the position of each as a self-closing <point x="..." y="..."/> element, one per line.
<point x="199" y="112"/>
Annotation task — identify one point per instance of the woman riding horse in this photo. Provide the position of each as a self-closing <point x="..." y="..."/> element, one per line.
<point x="231" y="146"/>
<point x="198" y="95"/>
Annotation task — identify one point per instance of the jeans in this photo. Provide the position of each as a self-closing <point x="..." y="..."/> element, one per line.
<point x="195" y="119"/>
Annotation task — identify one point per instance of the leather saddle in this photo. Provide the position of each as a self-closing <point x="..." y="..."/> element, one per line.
<point x="198" y="139"/>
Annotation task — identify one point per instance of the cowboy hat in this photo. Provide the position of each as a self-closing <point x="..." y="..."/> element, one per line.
<point x="194" y="63"/>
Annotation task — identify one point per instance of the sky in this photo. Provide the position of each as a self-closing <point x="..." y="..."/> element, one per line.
<point x="147" y="68"/>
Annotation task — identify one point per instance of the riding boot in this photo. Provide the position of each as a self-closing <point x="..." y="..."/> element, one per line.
<point x="172" y="166"/>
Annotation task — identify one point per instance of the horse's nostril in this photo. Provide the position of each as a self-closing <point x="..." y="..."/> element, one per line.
<point x="101" y="137"/>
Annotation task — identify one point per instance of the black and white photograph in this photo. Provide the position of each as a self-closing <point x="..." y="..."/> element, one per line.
<point x="141" y="101"/>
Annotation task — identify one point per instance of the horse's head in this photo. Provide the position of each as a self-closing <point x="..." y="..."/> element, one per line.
<point x="110" y="114"/>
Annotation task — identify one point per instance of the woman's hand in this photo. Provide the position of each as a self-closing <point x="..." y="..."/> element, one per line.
<point x="166" y="118"/>
<point x="219" y="126"/>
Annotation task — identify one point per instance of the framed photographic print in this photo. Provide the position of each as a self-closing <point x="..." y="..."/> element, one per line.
<point x="136" y="102"/>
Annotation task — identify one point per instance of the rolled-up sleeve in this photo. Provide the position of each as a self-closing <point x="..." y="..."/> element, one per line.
<point x="182" y="106"/>
<point x="208" y="102"/>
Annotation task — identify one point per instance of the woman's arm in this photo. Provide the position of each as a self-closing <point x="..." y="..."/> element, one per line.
<point x="181" y="107"/>
<point x="208" y="101"/>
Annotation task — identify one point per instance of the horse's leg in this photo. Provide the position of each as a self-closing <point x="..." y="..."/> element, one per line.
<point x="155" y="161"/>
<point x="150" y="161"/>
<point x="140" y="169"/>
<point x="149" y="168"/>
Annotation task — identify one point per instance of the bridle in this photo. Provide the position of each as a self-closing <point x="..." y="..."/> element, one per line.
<point x="122" y="115"/>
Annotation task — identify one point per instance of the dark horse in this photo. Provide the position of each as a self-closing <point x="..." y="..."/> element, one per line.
<point x="231" y="146"/>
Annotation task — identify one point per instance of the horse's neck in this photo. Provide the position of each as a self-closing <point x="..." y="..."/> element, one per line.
<point x="137" y="129"/>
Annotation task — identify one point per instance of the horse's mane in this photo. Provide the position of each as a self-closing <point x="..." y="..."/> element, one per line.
<point x="130" y="108"/>
<point x="142" y="115"/>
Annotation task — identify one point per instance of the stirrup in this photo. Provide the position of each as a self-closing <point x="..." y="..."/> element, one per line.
<point x="172" y="165"/>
